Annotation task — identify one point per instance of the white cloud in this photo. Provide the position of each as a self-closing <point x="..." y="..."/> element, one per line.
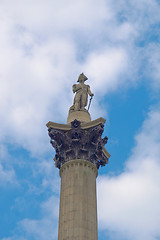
<point x="38" y="68"/>
<point x="50" y="175"/>
<point x="153" y="64"/>
<point x="28" y="87"/>
<point x="45" y="45"/>
<point x="7" y="173"/>
<point x="47" y="227"/>
<point x="105" y="69"/>
<point x="59" y="16"/>
<point x="129" y="203"/>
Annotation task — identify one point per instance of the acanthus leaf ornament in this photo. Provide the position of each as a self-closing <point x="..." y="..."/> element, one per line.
<point x="79" y="143"/>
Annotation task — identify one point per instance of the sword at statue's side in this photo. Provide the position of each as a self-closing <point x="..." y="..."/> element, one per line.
<point x="90" y="102"/>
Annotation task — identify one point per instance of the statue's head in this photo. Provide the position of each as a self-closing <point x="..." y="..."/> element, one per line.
<point x="82" y="78"/>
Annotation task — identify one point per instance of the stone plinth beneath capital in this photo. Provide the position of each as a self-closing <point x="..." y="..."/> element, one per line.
<point x="82" y="116"/>
<point x="79" y="141"/>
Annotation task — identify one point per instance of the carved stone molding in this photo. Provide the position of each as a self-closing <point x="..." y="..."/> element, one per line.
<point x="79" y="143"/>
<point x="78" y="162"/>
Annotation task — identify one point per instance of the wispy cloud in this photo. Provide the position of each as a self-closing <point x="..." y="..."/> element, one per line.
<point x="129" y="203"/>
<point x="41" y="57"/>
<point x="44" y="45"/>
<point x="45" y="227"/>
<point x="7" y="173"/>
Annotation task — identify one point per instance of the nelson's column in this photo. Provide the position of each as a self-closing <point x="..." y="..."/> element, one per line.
<point x="79" y="154"/>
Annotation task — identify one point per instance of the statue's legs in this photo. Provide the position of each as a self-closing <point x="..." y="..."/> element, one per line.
<point x="76" y="106"/>
<point x="80" y="101"/>
<point x="77" y="101"/>
<point x="84" y="100"/>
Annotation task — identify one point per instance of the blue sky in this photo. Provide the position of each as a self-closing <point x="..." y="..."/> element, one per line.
<point x="44" y="46"/>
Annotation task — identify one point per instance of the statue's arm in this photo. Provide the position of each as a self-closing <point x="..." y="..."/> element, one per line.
<point x="89" y="91"/>
<point x="74" y="88"/>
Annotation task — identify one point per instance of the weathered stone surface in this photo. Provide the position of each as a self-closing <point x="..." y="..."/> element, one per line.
<point x="79" y="143"/>
<point x="81" y="91"/>
<point x="82" y="116"/>
<point x="80" y="152"/>
<point x="84" y="125"/>
<point x="78" y="203"/>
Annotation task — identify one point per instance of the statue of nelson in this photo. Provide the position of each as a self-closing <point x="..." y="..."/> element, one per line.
<point x="82" y="90"/>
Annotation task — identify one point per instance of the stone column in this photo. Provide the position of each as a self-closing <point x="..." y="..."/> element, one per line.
<point x="79" y="153"/>
<point x="78" y="204"/>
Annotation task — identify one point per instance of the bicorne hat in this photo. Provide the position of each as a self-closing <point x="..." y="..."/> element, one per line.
<point x="82" y="77"/>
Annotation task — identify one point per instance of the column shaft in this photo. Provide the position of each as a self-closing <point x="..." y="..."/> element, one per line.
<point x="78" y="203"/>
